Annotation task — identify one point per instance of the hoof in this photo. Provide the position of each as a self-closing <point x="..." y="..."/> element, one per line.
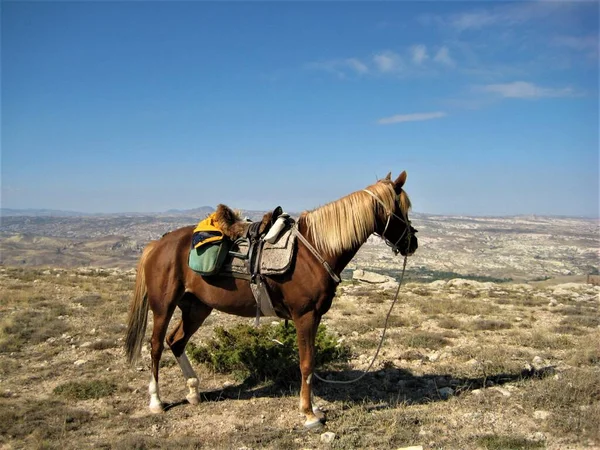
<point x="193" y="399"/>
<point x="313" y="424"/>
<point x="156" y="408"/>
<point x="318" y="413"/>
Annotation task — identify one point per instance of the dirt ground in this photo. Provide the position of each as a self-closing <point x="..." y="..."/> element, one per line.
<point x="465" y="365"/>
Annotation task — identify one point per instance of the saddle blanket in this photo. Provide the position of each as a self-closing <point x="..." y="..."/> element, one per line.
<point x="277" y="256"/>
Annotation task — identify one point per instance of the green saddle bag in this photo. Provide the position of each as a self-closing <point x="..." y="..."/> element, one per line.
<point x="208" y="259"/>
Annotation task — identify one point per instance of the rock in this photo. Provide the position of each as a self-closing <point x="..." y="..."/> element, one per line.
<point x="473" y="362"/>
<point x="433" y="356"/>
<point x="228" y="384"/>
<point x="412" y="447"/>
<point x="85" y="344"/>
<point x="462" y="283"/>
<point x="503" y="391"/>
<point x="327" y="437"/>
<point x="80" y="362"/>
<point x="539" y="436"/>
<point x="370" y="277"/>
<point x="541" y="415"/>
<point x="446" y="392"/>
<point x="389" y="285"/>
<point x="537" y="362"/>
<point x="438" y="284"/>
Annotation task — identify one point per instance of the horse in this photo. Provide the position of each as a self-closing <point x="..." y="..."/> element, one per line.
<point x="328" y="238"/>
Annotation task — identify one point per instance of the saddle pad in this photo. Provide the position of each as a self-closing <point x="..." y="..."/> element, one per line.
<point x="276" y="257"/>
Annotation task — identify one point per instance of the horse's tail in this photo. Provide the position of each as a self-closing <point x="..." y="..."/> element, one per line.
<point x="138" y="311"/>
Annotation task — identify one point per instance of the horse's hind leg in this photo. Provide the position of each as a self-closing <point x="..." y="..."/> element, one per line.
<point x="193" y="314"/>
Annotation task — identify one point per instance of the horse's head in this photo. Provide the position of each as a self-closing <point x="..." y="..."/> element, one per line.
<point x="395" y="228"/>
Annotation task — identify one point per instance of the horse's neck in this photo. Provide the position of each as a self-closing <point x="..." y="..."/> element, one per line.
<point x="342" y="258"/>
<point x="339" y="262"/>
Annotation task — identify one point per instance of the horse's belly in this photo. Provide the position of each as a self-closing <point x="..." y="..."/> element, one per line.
<point x="227" y="295"/>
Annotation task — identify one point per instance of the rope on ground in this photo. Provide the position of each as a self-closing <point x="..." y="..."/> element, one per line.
<point x="387" y="318"/>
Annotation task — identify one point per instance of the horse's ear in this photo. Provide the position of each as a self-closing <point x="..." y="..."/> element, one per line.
<point x="388" y="176"/>
<point x="400" y="182"/>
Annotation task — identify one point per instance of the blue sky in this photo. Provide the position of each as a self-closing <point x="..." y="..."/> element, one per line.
<point x="492" y="108"/>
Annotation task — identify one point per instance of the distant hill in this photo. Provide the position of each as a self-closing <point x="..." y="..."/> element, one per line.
<point x="33" y="212"/>
<point x="5" y="212"/>
<point x="199" y="212"/>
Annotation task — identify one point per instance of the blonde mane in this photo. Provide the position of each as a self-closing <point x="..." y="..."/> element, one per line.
<point x="345" y="223"/>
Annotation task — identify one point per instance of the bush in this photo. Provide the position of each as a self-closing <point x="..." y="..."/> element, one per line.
<point x="264" y="353"/>
<point x="85" y="390"/>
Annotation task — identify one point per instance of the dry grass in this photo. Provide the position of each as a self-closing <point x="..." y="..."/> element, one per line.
<point x="489" y="324"/>
<point x="457" y="338"/>
<point x="448" y="306"/>
<point x="573" y="401"/>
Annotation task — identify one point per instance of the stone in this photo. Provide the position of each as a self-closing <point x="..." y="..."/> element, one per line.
<point x="433" y="356"/>
<point x="389" y="285"/>
<point x="370" y="277"/>
<point x="412" y="447"/>
<point x="503" y="391"/>
<point x="446" y="392"/>
<point x="80" y="362"/>
<point x="327" y="437"/>
<point x="541" y="415"/>
<point x="537" y="362"/>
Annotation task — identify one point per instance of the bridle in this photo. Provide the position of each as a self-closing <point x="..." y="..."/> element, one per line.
<point x="408" y="230"/>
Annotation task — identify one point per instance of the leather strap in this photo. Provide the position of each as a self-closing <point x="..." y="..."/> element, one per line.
<point x="309" y="246"/>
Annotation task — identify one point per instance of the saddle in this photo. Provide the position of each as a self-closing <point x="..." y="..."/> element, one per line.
<point x="257" y="249"/>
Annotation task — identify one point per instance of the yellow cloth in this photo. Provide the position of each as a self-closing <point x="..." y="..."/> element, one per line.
<point x="210" y="225"/>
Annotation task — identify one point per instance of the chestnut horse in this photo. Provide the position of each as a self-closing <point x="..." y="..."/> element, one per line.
<point x="332" y="235"/>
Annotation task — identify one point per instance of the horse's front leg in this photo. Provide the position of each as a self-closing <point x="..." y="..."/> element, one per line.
<point x="306" y="329"/>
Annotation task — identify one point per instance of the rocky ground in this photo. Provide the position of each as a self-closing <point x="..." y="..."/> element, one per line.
<point x="466" y="364"/>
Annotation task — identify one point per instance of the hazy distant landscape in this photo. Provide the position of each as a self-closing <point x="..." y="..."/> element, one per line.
<point x="524" y="248"/>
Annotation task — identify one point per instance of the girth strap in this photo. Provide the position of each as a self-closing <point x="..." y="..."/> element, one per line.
<point x="309" y="246"/>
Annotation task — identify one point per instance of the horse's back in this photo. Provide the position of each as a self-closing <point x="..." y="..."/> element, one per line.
<point x="168" y="255"/>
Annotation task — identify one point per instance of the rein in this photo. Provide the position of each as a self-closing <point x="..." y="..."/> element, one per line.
<point x="387" y="317"/>
<point x="385" y="325"/>
<point x="309" y="246"/>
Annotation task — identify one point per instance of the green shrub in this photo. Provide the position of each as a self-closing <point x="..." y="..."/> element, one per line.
<point x="85" y="390"/>
<point x="500" y="442"/>
<point x="264" y="353"/>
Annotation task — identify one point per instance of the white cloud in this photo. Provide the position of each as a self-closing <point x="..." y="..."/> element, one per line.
<point x="387" y="62"/>
<point x="504" y="14"/>
<point x="443" y="57"/>
<point x="419" y="54"/>
<point x="341" y="67"/>
<point x="523" y="89"/>
<point x="473" y="20"/>
<point x="356" y="65"/>
<point x="415" y="117"/>
<point x="585" y="44"/>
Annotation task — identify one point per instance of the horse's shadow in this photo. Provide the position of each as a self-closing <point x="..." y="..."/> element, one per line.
<point x="383" y="389"/>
